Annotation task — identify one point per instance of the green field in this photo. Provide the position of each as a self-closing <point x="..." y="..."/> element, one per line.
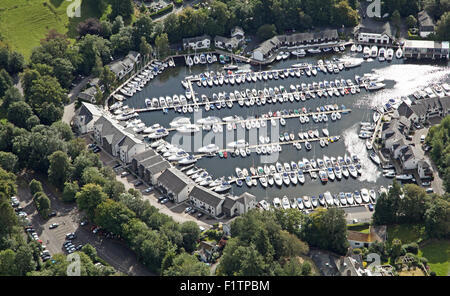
<point x="438" y="255"/>
<point x="23" y="23"/>
<point x="406" y="233"/>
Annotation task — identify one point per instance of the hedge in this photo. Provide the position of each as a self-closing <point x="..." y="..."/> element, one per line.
<point x="162" y="11"/>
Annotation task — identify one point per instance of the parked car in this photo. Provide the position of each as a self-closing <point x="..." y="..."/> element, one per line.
<point x="148" y="190"/>
<point x="422" y="138"/>
<point x="52" y="214"/>
<point x="193" y="211"/>
<point x="91" y="146"/>
<point x="409" y="138"/>
<point x="370" y="207"/>
<point x="429" y="190"/>
<point x="124" y="174"/>
<point x="426" y="183"/>
<point x="117" y="165"/>
<point x="188" y="209"/>
<point x="417" y="125"/>
<point x="165" y="200"/>
<point x="161" y="198"/>
<point x="199" y="215"/>
<point x="82" y="223"/>
<point x="138" y="183"/>
<point x="96" y="150"/>
<point x="79" y="247"/>
<point x="71" y="236"/>
<point x="53" y="225"/>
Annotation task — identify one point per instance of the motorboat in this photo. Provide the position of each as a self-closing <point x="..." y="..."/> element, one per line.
<point x="375" y="158"/>
<point x="357" y="197"/>
<point x="328" y="198"/>
<point x="365" y="195"/>
<point x="399" y="53"/>
<point x="211" y="148"/>
<point x="373" y="51"/>
<point x="285" y="203"/>
<point x="349" y="197"/>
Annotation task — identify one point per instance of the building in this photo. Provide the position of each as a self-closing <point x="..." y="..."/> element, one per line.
<point x="115" y="140"/>
<point x="238" y="33"/>
<point x="86" y="116"/>
<point x="195" y="43"/>
<point x="175" y="184"/>
<point x="207" y="200"/>
<point x="124" y="66"/>
<point x="358" y="239"/>
<point x="408" y="159"/>
<point x="88" y="95"/>
<point x="375" y="35"/>
<point x="424" y="170"/>
<point x="234" y="205"/>
<point x="425" y="49"/>
<point x="139" y="158"/>
<point x="226" y="43"/>
<point x="425" y="109"/>
<point x="268" y="47"/>
<point x="153" y="171"/>
<point x="426" y="24"/>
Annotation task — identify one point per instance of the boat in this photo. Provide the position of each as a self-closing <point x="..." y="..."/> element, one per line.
<point x="365" y="195"/>
<point x="306" y="202"/>
<point x="399" y="53"/>
<point x="373" y="195"/>
<point x="349" y="197"/>
<point x="342" y="198"/>
<point x="211" y="148"/>
<point x="374" y="51"/>
<point x="357" y="197"/>
<point x="285" y="203"/>
<point x="369" y="145"/>
<point x="389" y="54"/>
<point x="276" y="202"/>
<point x="328" y="198"/>
<point x="404" y="177"/>
<point x="187" y="160"/>
<point x="374" y="157"/>
<point x="277" y="178"/>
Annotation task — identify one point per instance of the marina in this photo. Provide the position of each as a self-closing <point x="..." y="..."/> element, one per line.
<point x="296" y="98"/>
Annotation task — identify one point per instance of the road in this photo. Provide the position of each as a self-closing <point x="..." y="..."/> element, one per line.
<point x="117" y="254"/>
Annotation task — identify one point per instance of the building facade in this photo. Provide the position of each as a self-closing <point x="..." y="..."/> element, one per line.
<point x="425" y="49"/>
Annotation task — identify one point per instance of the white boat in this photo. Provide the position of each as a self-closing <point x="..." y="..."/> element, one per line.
<point x="211" y="148"/>
<point x="179" y="122"/>
<point x="389" y="54"/>
<point x="374" y="51"/>
<point x="404" y="177"/>
<point x="375" y="157"/>
<point x="399" y="53"/>
<point x="187" y="160"/>
<point x="365" y="195"/>
<point x="376" y="116"/>
<point x="349" y="197"/>
<point x="277" y="178"/>
<point x="328" y="198"/>
<point x="353" y="48"/>
<point x="285" y="203"/>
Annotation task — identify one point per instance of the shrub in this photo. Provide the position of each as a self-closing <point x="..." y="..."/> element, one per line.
<point x="412" y="248"/>
<point x="357" y="251"/>
<point x="162" y="11"/>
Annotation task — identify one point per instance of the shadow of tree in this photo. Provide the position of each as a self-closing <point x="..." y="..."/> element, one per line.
<point x="89" y="9"/>
<point x="56" y="3"/>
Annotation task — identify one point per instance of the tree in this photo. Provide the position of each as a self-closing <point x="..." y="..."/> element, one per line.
<point x="411" y="21"/>
<point x="89" y="250"/>
<point x="35" y="186"/>
<point x="123" y="8"/>
<point x="43" y="203"/>
<point x="266" y="32"/>
<point x="24" y="261"/>
<point x="84" y="160"/>
<point x="63" y="130"/>
<point x="327" y="229"/>
<point x="32" y="121"/>
<point x="413" y="205"/>
<point x="19" y="112"/>
<point x="12" y="95"/>
<point x="186" y="265"/>
<point x="63" y="70"/>
<point x="345" y="15"/>
<point x="8" y="161"/>
<point x="114" y="189"/>
<point x="89" y="26"/>
<point x="106" y="29"/>
<point x="172" y="27"/>
<point x="145" y="49"/>
<point x="5" y="82"/>
<point x="396" y="18"/>
<point x="162" y="45"/>
<point x="191" y="233"/>
<point x="387" y="206"/>
<point x="91" y="47"/>
<point x="70" y="191"/>
<point x="59" y="169"/>
<point x="75" y="146"/>
<point x="108" y="79"/>
<point x="292" y="246"/>
<point x="437" y="221"/>
<point x="7" y="263"/>
<point x="396" y="249"/>
<point x="117" y="24"/>
<point x="242" y="261"/>
<point x="443" y="27"/>
<point x="142" y="28"/>
<point x="122" y="42"/>
<point x="111" y="215"/>
<point x="16" y="63"/>
<point x="93" y="175"/>
<point x="90" y="196"/>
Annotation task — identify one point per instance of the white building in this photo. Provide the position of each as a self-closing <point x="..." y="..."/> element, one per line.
<point x="175" y="184"/>
<point x="86" y="116"/>
<point x="380" y="35"/>
<point x="426" y="49"/>
<point x="207" y="200"/>
<point x="124" y="66"/>
<point x="234" y="205"/>
<point x="196" y="43"/>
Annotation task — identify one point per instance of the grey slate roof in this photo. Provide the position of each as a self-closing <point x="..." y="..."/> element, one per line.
<point x="174" y="180"/>
<point x="246" y="198"/>
<point x="144" y="155"/>
<point x="151" y="161"/>
<point x="268" y="45"/>
<point x="196" y="39"/>
<point x="158" y="167"/>
<point x="109" y="130"/>
<point x="385" y="29"/>
<point x="207" y="196"/>
<point x="425" y="20"/>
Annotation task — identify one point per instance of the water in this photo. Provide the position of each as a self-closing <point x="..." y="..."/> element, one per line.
<point x="401" y="78"/>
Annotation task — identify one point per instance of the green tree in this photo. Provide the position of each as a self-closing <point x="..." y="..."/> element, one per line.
<point x="90" y="196"/>
<point x="413" y="205"/>
<point x="8" y="263"/>
<point x="191" y="233"/>
<point x="24" y="260"/>
<point x="59" y="169"/>
<point x="63" y="70"/>
<point x="12" y="95"/>
<point x="292" y="246"/>
<point x="35" y="186"/>
<point x="123" y="8"/>
<point x="8" y="161"/>
<point x="186" y="265"/>
<point x="5" y="82"/>
<point x="443" y="27"/>
<point x="266" y="32"/>
<point x="437" y="219"/>
<point x="162" y="45"/>
<point x="111" y="215"/>
<point x="108" y="79"/>
<point x="411" y="21"/>
<point x="43" y="204"/>
<point x="70" y="191"/>
<point x="345" y="15"/>
<point x="16" y="63"/>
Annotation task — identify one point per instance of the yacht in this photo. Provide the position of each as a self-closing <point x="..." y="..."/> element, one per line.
<point x="328" y="198"/>
<point x="285" y="203"/>
<point x="374" y="51"/>
<point x="365" y="195"/>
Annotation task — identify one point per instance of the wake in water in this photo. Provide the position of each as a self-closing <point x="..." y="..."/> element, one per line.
<point x="357" y="146"/>
<point x="408" y="78"/>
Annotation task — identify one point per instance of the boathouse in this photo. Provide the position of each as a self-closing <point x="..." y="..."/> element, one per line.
<point x="124" y="66"/>
<point x="175" y="184"/>
<point x="195" y="43"/>
<point x="226" y="43"/>
<point x="426" y="49"/>
<point x="238" y="205"/>
<point x="266" y="49"/>
<point x="374" y="35"/>
<point x="207" y="200"/>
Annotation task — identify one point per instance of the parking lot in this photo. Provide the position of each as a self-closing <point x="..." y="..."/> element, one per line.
<point x="358" y="214"/>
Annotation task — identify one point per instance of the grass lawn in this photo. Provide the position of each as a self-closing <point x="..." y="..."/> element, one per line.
<point x="406" y="233"/>
<point x="361" y="227"/>
<point x="23" y="23"/>
<point x="438" y="255"/>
